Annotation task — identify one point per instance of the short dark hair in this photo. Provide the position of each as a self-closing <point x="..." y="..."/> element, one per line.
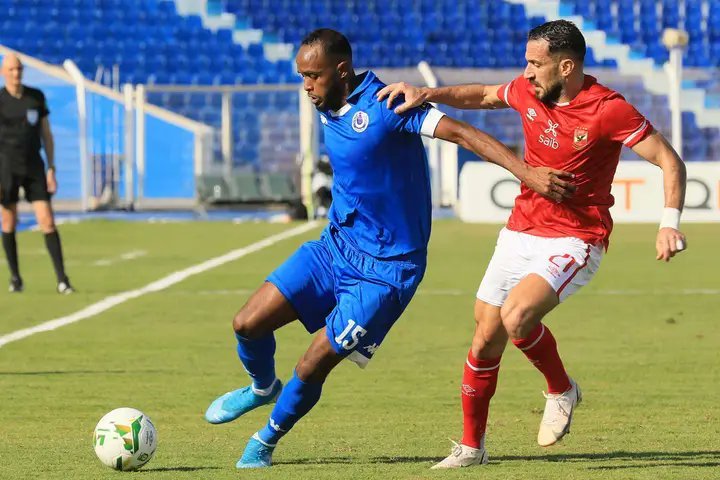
<point x="563" y="36"/>
<point x="333" y="42"/>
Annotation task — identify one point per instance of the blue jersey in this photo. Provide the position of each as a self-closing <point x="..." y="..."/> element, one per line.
<point x="381" y="191"/>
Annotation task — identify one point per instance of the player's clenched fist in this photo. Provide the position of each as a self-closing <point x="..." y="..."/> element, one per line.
<point x="414" y="96"/>
<point x="550" y="183"/>
<point x="669" y="243"/>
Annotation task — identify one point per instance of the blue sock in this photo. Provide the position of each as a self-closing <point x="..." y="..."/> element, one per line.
<point x="258" y="357"/>
<point x="296" y="400"/>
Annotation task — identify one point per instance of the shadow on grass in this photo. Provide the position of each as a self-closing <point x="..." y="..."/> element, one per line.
<point x="708" y="458"/>
<point x="175" y="469"/>
<point x="350" y="460"/>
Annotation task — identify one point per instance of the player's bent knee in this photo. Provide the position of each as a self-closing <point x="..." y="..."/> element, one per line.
<point x="489" y="343"/>
<point x="318" y="361"/>
<point x="247" y="325"/>
<point x="308" y="369"/>
<point x="518" y="319"/>
<point x="484" y="349"/>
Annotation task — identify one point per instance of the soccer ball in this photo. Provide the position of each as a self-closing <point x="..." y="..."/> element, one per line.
<point x="125" y="439"/>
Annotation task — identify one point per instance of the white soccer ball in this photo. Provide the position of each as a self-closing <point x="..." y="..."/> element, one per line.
<point x="125" y="439"/>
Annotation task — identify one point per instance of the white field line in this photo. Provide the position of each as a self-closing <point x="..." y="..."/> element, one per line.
<point x="132" y="255"/>
<point x="109" y="302"/>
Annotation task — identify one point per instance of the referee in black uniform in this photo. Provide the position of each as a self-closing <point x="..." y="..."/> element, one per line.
<point x="24" y="128"/>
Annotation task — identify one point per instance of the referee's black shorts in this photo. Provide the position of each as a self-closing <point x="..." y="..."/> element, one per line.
<point x="32" y="181"/>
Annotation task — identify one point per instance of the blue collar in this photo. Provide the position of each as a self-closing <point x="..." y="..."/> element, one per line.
<point x="364" y="84"/>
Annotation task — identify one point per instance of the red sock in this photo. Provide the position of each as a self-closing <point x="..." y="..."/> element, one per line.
<point x="479" y="382"/>
<point x="540" y="348"/>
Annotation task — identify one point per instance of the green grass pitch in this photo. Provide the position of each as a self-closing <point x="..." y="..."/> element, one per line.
<point x="643" y="341"/>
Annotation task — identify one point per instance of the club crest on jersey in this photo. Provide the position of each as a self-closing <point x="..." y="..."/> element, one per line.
<point x="580" y="138"/>
<point x="32" y="116"/>
<point x="531" y="114"/>
<point x="323" y="120"/>
<point x="360" y="121"/>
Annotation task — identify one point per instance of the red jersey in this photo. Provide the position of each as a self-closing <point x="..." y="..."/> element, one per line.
<point x="583" y="136"/>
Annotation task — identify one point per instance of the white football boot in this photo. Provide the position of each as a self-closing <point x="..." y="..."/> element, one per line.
<point x="463" y="456"/>
<point x="558" y="415"/>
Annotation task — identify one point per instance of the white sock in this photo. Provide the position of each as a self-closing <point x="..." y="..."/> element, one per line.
<point x="264" y="392"/>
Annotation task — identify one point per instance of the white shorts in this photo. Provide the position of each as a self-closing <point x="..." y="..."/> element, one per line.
<point x="567" y="263"/>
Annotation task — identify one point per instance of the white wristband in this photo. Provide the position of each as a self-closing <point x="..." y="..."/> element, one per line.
<point x="670" y="218"/>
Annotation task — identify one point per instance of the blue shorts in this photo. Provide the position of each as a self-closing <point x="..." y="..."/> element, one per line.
<point x="358" y="297"/>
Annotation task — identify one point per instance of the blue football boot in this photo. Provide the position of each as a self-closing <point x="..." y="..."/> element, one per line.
<point x="232" y="405"/>
<point x="256" y="455"/>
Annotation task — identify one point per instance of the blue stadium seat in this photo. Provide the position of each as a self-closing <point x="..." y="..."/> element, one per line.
<point x="256" y="50"/>
<point x="167" y="6"/>
<point x="605" y="21"/>
<point x="202" y="78"/>
<point x="225" y="77"/>
<point x="153" y="43"/>
<point x="180" y="78"/>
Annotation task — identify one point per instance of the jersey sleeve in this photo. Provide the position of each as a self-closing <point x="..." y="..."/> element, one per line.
<point x="509" y="93"/>
<point x="420" y="120"/>
<point x="621" y="122"/>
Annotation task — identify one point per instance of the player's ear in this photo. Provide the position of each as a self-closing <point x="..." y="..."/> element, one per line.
<point x="343" y="68"/>
<point x="567" y="66"/>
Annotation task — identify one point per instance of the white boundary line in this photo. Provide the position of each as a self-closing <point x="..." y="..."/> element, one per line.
<point x="165" y="282"/>
<point x="131" y="255"/>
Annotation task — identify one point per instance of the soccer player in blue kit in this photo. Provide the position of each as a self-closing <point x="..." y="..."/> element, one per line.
<point x="352" y="284"/>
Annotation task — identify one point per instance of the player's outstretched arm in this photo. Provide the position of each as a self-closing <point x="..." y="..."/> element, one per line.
<point x="656" y="150"/>
<point x="546" y="181"/>
<point x="458" y="96"/>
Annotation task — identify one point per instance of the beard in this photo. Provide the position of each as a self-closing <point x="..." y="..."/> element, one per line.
<point x="333" y="98"/>
<point x="552" y="93"/>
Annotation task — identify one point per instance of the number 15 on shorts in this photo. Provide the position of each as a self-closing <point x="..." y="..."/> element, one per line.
<point x="354" y="332"/>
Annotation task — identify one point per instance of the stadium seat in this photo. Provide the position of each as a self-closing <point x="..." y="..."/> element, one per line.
<point x="279" y="187"/>
<point x="213" y="189"/>
<point x="153" y="43"/>
<point x="245" y="187"/>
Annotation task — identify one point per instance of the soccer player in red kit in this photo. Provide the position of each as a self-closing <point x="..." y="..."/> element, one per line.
<point x="548" y="250"/>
